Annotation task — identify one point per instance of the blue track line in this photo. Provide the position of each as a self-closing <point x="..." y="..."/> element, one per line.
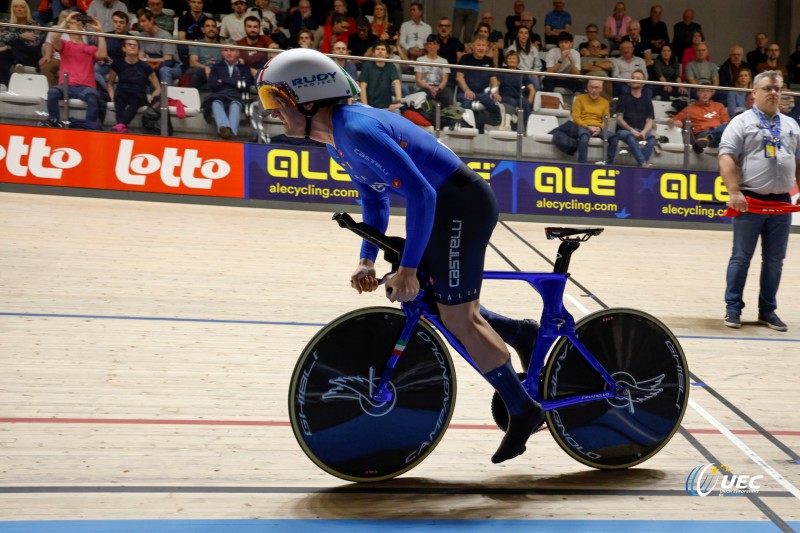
<point x="317" y="324"/>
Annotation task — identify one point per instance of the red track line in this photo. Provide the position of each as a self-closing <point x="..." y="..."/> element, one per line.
<point x="275" y="423"/>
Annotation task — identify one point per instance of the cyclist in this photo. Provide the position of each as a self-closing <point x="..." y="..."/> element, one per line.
<point x="450" y="215"/>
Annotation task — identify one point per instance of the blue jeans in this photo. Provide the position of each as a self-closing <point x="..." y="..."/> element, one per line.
<point x="583" y="144"/>
<point x="88" y="94"/>
<point x="229" y="119"/>
<point x="170" y="74"/>
<point x="641" y="157"/>
<point x="774" y="232"/>
<point x="715" y="134"/>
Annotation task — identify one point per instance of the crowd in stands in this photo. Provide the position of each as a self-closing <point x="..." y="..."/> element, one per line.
<point x="127" y="72"/>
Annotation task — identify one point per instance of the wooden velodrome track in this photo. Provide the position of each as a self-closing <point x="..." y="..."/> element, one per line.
<point x="146" y="350"/>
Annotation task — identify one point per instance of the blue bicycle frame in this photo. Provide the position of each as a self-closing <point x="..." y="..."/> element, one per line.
<point x="555" y="322"/>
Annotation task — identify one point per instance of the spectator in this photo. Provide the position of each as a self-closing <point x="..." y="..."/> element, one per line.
<point x="305" y="39"/>
<point x="379" y="81"/>
<point x="362" y="40"/>
<point x="190" y="23"/>
<point x="190" y="28"/>
<point x="202" y="58"/>
<point x="529" y="21"/>
<point x="616" y="26"/>
<point x="17" y="46"/>
<point x="103" y="10"/>
<point x="635" y="119"/>
<point x="683" y="31"/>
<point x="708" y="119"/>
<point x="340" y="7"/>
<point x="433" y="80"/>
<point x="562" y="60"/>
<point x="556" y="22"/>
<point x="590" y="112"/>
<point x="667" y="69"/>
<point x="163" y="20"/>
<point x="513" y="21"/>
<point x="527" y="54"/>
<point x="478" y="89"/>
<point x="302" y="19"/>
<point x="161" y="56"/>
<point x="381" y="27"/>
<point x="77" y="59"/>
<point x="591" y="33"/>
<point x="266" y="17"/>
<point x="337" y="31"/>
<point x="641" y="48"/>
<point x="690" y="54"/>
<point x="227" y="81"/>
<point x="701" y="71"/>
<point x="232" y="26"/>
<point x="516" y="90"/>
<point x="450" y="48"/>
<point x="281" y="10"/>
<point x="773" y="55"/>
<point x="414" y="32"/>
<point x="794" y="64"/>
<point x="114" y="48"/>
<point x="494" y="51"/>
<point x="729" y="70"/>
<point x="130" y="92"/>
<point x="465" y="16"/>
<point x="51" y="60"/>
<point x="737" y="101"/>
<point x="594" y="63"/>
<point x="340" y="48"/>
<point x="256" y="59"/>
<point x="758" y="55"/>
<point x="654" y="31"/>
<point x="624" y="65"/>
<point x="495" y="36"/>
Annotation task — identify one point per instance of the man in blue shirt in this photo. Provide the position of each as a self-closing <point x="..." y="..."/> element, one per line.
<point x="383" y="152"/>
<point x="556" y="22"/>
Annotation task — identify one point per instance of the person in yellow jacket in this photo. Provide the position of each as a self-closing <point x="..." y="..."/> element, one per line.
<point x="589" y="113"/>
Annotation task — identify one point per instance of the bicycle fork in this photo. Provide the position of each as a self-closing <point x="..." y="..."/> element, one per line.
<point x="382" y="392"/>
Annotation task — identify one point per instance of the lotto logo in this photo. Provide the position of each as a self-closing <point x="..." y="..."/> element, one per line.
<point x="93" y="160"/>
<point x="174" y="167"/>
<point x="37" y="159"/>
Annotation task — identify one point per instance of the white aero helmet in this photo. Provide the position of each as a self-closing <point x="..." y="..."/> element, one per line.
<point x="300" y="76"/>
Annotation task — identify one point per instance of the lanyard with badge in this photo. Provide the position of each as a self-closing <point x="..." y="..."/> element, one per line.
<point x="771" y="134"/>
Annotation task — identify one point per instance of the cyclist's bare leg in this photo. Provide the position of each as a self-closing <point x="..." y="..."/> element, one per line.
<point x="489" y="352"/>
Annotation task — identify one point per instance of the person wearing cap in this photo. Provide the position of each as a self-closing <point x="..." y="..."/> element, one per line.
<point x="387" y="155"/>
<point x="433" y="80"/>
<point x="563" y="60"/>
<point x="232" y="25"/>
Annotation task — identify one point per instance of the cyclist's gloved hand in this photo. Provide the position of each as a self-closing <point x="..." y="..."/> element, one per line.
<point x="403" y="286"/>
<point x="364" y="278"/>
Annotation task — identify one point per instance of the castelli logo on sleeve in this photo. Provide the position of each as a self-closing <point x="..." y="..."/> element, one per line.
<point x="41" y="161"/>
<point x="174" y="167"/>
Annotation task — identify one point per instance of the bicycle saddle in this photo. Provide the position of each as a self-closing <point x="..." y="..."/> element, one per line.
<point x="565" y="233"/>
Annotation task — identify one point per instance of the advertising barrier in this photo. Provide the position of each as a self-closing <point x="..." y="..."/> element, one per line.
<point x="309" y="175"/>
<point x="95" y="160"/>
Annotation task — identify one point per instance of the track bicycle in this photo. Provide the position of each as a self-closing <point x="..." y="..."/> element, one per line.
<point x="374" y="391"/>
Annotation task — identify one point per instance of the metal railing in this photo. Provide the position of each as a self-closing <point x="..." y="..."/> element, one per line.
<point x="257" y="116"/>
